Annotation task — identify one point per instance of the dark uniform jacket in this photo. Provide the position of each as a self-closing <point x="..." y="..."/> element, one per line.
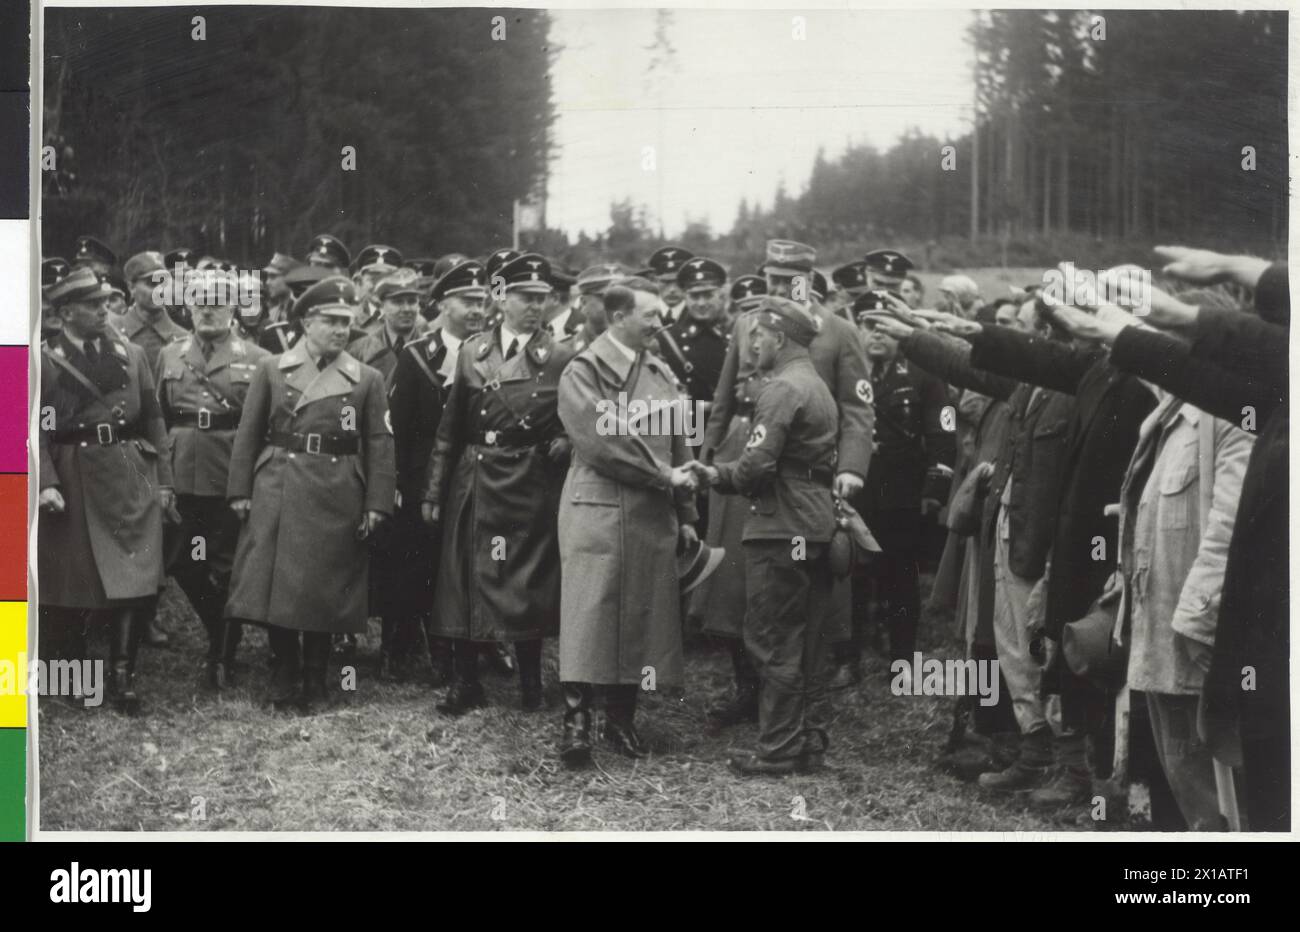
<point x="788" y="464"/>
<point x="201" y="401"/>
<point x="279" y="337"/>
<point x="417" y="392"/>
<point x="695" y="352"/>
<point x="378" y="351"/>
<point x="106" y="547"/>
<point x="910" y="436"/>
<point x="497" y="467"/>
<point x="150" y="335"/>
<point x="1109" y="408"/>
<point x="299" y="563"/>
<point x="837" y="356"/>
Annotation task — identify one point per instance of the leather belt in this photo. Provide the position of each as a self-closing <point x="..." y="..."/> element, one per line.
<point x="506" y="438"/>
<point x="818" y="474"/>
<point x="204" y="419"/>
<point x="104" y="435"/>
<point x="322" y="444"/>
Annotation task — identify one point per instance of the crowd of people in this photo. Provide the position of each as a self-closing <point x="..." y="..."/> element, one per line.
<point x="429" y="442"/>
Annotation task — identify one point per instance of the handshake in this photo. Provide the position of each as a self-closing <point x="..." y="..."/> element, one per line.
<point x="693" y="475"/>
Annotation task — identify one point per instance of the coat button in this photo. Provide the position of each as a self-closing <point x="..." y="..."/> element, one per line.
<point x="480" y="456"/>
<point x="291" y="456"/>
<point x="483" y="413"/>
<point x="334" y="459"/>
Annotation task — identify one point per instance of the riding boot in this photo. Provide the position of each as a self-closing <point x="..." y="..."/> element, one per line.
<point x="315" y="660"/>
<point x="620" y="711"/>
<point x="529" y="654"/>
<point x="466" y="692"/>
<point x="286" y="689"/>
<point x="124" y="645"/>
<point x="575" y="744"/>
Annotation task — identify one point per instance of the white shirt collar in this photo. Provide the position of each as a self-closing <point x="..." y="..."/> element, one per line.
<point x="629" y="353"/>
<point x="507" y="336"/>
<point x="451" y="341"/>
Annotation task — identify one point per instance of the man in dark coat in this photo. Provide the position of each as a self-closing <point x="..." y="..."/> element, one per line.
<point x="494" y="484"/>
<point x="202" y="383"/>
<point x="786" y="471"/>
<point x="311" y="476"/>
<point x="420" y="385"/>
<point x="1110" y="407"/>
<point x="104" y="487"/>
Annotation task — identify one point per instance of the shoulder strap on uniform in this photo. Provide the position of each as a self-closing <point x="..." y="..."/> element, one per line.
<point x="79" y="376"/>
<point x="414" y="350"/>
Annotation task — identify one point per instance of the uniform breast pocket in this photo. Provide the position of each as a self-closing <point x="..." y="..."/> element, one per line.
<point x="1178" y="488"/>
<point x="1053" y="430"/>
<point x="594" y="492"/>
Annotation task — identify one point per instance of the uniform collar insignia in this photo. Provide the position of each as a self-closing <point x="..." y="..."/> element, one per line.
<point x="237" y="346"/>
<point x="118" y="348"/>
<point x="185" y="347"/>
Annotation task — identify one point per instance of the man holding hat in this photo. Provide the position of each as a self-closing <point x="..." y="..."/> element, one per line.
<point x="626" y="509"/>
<point x="493" y="484"/>
<point x="419" y="390"/>
<point x="311" y="477"/>
<point x="104" y="487"/>
<point x="786" y="471"/>
<point x="202" y="382"/>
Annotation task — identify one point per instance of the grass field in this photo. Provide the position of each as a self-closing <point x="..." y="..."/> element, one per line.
<point x="384" y="760"/>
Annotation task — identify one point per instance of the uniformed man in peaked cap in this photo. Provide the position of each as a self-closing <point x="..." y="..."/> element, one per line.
<point x="785" y="471"/>
<point x="886" y="268"/>
<point x="372" y="265"/>
<point x="277" y="299"/>
<point x="837" y="355"/>
<point x="494" y="481"/>
<point x="695" y="345"/>
<point x="397" y="299"/>
<point x="328" y="251"/>
<point x="493" y="264"/>
<point x="850" y="280"/>
<point x="280" y="336"/>
<point x="911" y="441"/>
<point x="587" y="321"/>
<point x="419" y="391"/>
<point x="202" y="382"/>
<point x="744" y="296"/>
<point x="53" y="271"/>
<point x="665" y="263"/>
<point x="146" y="322"/>
<point x="311" y="477"/>
<point x="104" y="487"/>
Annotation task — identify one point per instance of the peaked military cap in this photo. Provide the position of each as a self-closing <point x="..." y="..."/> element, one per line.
<point x="115" y="283"/>
<point x="495" y="260"/>
<point x="785" y="316"/>
<point x="850" y="276"/>
<point x="328" y="250"/>
<point x="748" y="288"/>
<point x="667" y="261"/>
<point x="786" y="257"/>
<point x="562" y="280"/>
<point x="425" y="268"/>
<point x="280" y="264"/>
<point x="400" y="282"/>
<point x="378" y="258"/>
<point x="302" y="277"/>
<point x="54" y="270"/>
<point x="90" y="249"/>
<point x="887" y="265"/>
<point x="80" y="284"/>
<point x="877" y="299"/>
<point x="179" y="256"/>
<point x="448" y="262"/>
<point x="819" y="286"/>
<point x="336" y="296"/>
<point x="142" y="264"/>
<point x="594" y="279"/>
<point x="468" y="278"/>
<point x="529" y="272"/>
<point x="699" y="272"/>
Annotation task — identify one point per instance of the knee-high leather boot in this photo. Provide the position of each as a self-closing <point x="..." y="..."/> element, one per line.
<point x="620" y="731"/>
<point x="286" y="689"/>
<point x="315" y="659"/>
<point x="529" y="655"/>
<point x="575" y="744"/>
<point x="124" y="645"/>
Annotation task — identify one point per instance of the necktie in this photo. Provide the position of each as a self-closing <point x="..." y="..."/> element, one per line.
<point x="207" y="349"/>
<point x="398" y="344"/>
<point x="91" y="351"/>
<point x="514" y="348"/>
<point x="323" y="361"/>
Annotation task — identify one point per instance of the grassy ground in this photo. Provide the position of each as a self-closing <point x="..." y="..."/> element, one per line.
<point x="386" y="761"/>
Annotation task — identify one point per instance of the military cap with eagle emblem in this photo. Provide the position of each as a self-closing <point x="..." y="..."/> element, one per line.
<point x="54" y="270"/>
<point x="498" y="258"/>
<point x="529" y="272"/>
<point x="181" y="255"/>
<point x="469" y="278"/>
<point x="400" y="282"/>
<point x="325" y="249"/>
<point x="425" y="268"/>
<point x="80" y="284"/>
<point x="666" y="261"/>
<point x="280" y="264"/>
<point x="852" y="277"/>
<point x="448" y="262"/>
<point x="887" y="266"/>
<point x="596" y="278"/>
<point x="90" y="250"/>
<point x="877" y="299"/>
<point x="336" y="296"/>
<point x="700" y="272"/>
<point x="788" y="317"/>
<point x="143" y="264"/>
<point x="301" y="278"/>
<point x="747" y="290"/>
<point x="820" y="288"/>
<point x="377" y="258"/>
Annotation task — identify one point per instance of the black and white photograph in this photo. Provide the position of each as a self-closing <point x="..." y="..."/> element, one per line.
<point x="631" y="420"/>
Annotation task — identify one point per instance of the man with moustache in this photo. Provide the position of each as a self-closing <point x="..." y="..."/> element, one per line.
<point x="493" y="484"/>
<point x="311" y="478"/>
<point x="202" y="383"/>
<point x="420" y="385"/>
<point x="626" y="507"/>
<point x="104" y="487"/>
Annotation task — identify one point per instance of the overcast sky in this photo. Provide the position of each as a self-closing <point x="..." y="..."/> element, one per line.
<point x="742" y="105"/>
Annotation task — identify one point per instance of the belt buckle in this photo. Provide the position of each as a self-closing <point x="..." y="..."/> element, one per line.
<point x="205" y="418"/>
<point x="495" y="384"/>
<point x="490" y="438"/>
<point x="313" y="443"/>
<point x="104" y="434"/>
